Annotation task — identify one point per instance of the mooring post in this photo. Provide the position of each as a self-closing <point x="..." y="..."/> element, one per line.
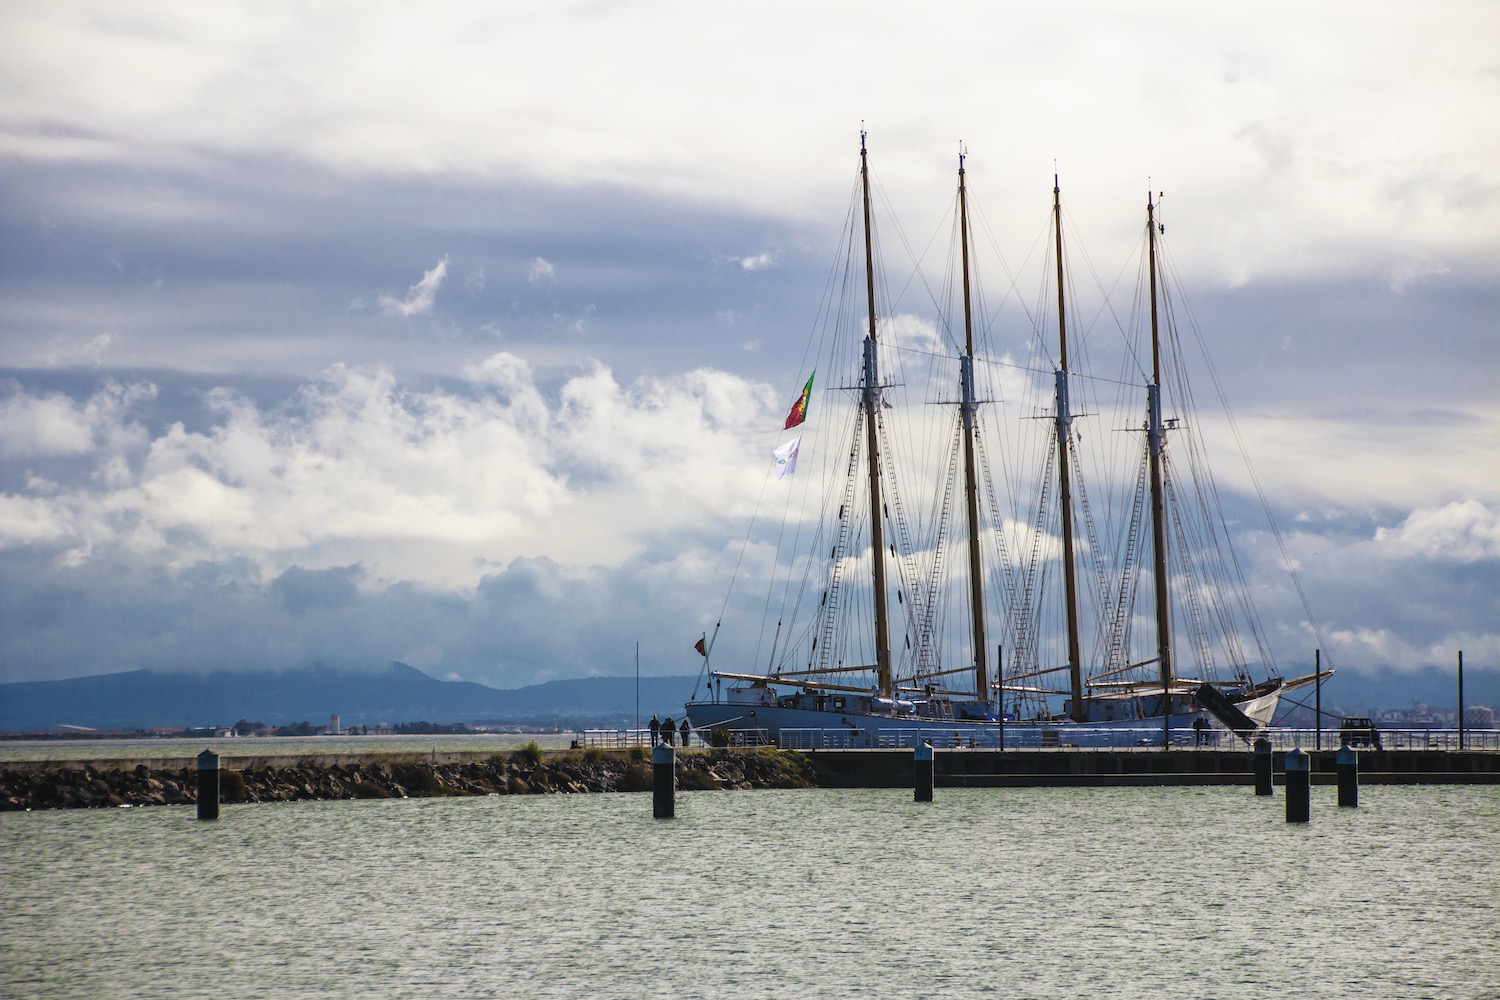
<point x="922" y="766"/>
<point x="663" y="782"/>
<point x="1263" y="768"/>
<point x="208" y="785"/>
<point x="1298" y="787"/>
<point x="1348" y="768"/>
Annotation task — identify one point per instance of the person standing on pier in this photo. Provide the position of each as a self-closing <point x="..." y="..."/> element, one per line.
<point x="655" y="729"/>
<point x="669" y="731"/>
<point x="686" y="732"/>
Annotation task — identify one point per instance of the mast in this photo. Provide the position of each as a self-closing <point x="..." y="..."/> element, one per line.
<point x="870" y="399"/>
<point x="969" y="408"/>
<point x="1156" y="438"/>
<point x="1064" y="471"/>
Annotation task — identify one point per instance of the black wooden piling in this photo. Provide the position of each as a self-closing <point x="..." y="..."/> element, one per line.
<point x="208" y="785"/>
<point x="663" y="782"/>
<point x="922" y="768"/>
<point x="1348" y="768"/>
<point x="1263" y="767"/>
<point x="1298" y="787"/>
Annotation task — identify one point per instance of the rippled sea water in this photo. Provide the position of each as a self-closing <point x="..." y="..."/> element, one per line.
<point x="1140" y="892"/>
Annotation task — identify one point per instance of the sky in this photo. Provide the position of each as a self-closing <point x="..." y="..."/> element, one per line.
<point x="456" y="333"/>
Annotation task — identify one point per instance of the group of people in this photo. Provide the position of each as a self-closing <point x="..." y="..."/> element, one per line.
<point x="666" y="729"/>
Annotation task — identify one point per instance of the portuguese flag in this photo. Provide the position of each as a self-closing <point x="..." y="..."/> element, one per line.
<point x="799" y="408"/>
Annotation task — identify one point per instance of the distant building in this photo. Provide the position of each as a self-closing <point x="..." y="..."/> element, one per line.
<point x="1479" y="717"/>
<point x="333" y="725"/>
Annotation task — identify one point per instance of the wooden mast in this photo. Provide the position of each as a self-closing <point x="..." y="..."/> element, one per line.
<point x="870" y="398"/>
<point x="969" y="408"/>
<point x="1156" y="438"/>
<point x="1079" y="712"/>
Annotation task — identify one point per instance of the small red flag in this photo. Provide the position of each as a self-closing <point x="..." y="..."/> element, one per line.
<point x="699" y="647"/>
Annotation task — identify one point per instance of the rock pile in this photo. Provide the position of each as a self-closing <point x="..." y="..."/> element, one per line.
<point x="525" y="772"/>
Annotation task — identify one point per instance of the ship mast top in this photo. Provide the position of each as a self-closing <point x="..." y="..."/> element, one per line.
<point x="870" y="401"/>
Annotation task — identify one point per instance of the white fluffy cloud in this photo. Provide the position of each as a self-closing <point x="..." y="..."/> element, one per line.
<point x="1462" y="531"/>
<point x="758" y="262"/>
<point x="540" y="270"/>
<point x="429" y="486"/>
<point x="54" y="424"/>
<point x="418" y="297"/>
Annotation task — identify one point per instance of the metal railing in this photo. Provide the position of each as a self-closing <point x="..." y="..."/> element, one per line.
<point x="624" y="739"/>
<point x="1017" y="737"/>
<point x="1387" y="739"/>
<point x="1086" y="738"/>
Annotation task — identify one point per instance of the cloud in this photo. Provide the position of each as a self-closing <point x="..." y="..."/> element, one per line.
<point x="539" y="270"/>
<point x="90" y="352"/>
<point x="758" y="262"/>
<point x="54" y="424"/>
<point x="1407" y="272"/>
<point x="486" y="527"/>
<point x="1461" y="531"/>
<point x="301" y="590"/>
<point x="419" y="297"/>
<point x="1374" y="649"/>
<point x="420" y="485"/>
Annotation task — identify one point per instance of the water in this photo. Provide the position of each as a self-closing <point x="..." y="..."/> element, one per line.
<point x="1142" y="892"/>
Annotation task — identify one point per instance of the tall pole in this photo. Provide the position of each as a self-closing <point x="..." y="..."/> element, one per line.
<point x="1156" y="437"/>
<point x="1318" y="693"/>
<point x="1460" y="699"/>
<point x="1000" y="692"/>
<point x="871" y="400"/>
<point x="1079" y="711"/>
<point x="637" y="691"/>
<point x="970" y="408"/>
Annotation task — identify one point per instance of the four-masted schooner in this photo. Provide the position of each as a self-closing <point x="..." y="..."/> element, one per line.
<point x="837" y="680"/>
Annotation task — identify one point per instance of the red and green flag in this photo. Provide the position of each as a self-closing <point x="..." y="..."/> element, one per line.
<point x="799" y="408"/>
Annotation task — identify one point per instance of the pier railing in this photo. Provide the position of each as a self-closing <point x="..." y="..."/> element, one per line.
<point x="1084" y="738"/>
<point x="1387" y="739"/>
<point x="1056" y="738"/>
<point x="624" y="739"/>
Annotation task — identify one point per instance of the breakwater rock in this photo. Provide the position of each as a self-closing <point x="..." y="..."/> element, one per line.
<point x="528" y="771"/>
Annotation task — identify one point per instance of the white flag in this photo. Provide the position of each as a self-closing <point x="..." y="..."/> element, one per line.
<point x="786" y="457"/>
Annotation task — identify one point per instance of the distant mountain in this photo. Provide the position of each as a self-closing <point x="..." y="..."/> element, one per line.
<point x="1363" y="692"/>
<point x="146" y="699"/>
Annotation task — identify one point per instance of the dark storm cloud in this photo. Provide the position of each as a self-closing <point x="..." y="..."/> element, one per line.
<point x="302" y="590"/>
<point x="277" y="267"/>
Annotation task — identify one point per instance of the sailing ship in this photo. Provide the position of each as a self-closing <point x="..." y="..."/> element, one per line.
<point x="833" y="676"/>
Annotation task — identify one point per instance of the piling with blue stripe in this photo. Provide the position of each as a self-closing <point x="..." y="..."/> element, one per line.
<point x="922" y="767"/>
<point x="1298" y="787"/>
<point x="208" y="785"/>
<point x="663" y="782"/>
<point x="1348" y="768"/>
<point x="1263" y="767"/>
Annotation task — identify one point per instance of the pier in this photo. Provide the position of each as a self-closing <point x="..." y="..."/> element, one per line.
<point x="1107" y="768"/>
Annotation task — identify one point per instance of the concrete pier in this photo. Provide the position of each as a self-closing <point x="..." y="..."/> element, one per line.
<point x="1070" y="768"/>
